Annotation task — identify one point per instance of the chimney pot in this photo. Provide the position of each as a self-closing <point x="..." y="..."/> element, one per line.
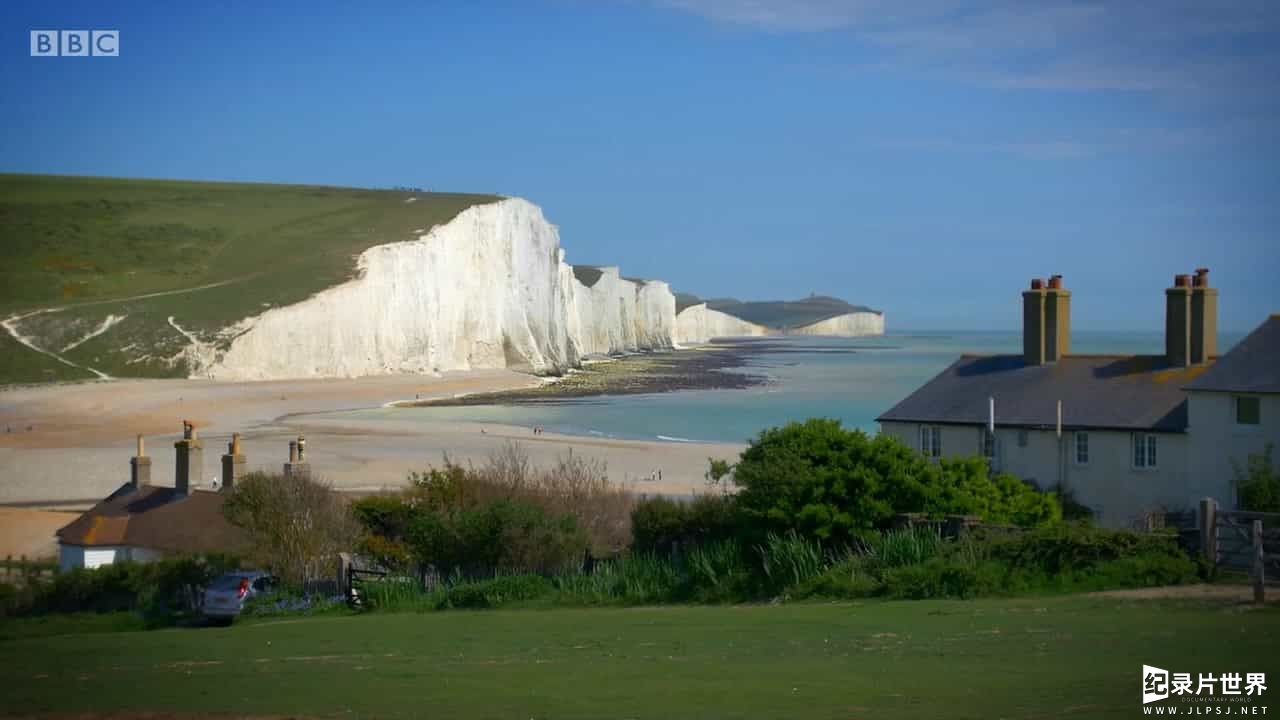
<point x="1202" y="277"/>
<point x="1055" y="282"/>
<point x="1037" y="284"/>
<point x="1181" y="280"/>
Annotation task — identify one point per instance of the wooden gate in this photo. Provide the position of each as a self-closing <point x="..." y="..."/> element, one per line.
<point x="1242" y="540"/>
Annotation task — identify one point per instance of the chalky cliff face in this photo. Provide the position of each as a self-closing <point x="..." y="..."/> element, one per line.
<point x="847" y="325"/>
<point x="698" y="324"/>
<point x="490" y="289"/>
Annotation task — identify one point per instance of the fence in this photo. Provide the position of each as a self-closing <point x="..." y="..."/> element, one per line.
<point x="1241" y="540"/>
<point x="22" y="571"/>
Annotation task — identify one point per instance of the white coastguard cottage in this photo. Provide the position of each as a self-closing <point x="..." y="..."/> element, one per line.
<point x="1234" y="407"/>
<point x="142" y="522"/>
<point x="1116" y="431"/>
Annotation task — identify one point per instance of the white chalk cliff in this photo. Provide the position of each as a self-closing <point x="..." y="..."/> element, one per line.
<point x="699" y="323"/>
<point x="489" y="289"/>
<point x="847" y="325"/>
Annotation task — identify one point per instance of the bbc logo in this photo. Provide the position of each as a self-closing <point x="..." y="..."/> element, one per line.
<point x="75" y="43"/>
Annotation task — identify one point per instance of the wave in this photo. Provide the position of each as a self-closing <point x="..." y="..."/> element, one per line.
<point x="669" y="438"/>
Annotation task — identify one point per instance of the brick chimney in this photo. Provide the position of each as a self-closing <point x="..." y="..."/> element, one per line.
<point x="1177" y="322"/>
<point x="1204" y="318"/>
<point x="233" y="463"/>
<point x="189" y="463"/>
<point x="298" y="465"/>
<point x="139" y="468"/>
<point x="1057" y="321"/>
<point x="1033" y="302"/>
<point x="1046" y="321"/>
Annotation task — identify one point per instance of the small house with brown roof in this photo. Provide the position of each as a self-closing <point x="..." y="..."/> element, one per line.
<point x="1114" y="430"/>
<point x="143" y="522"/>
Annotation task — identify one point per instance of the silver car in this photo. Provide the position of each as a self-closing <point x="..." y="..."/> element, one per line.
<point x="225" y="597"/>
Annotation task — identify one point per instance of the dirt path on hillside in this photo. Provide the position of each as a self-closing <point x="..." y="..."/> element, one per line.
<point x="10" y="324"/>
<point x="1236" y="594"/>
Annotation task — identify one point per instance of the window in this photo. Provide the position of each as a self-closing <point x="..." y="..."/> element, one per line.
<point x="1022" y="438"/>
<point x="990" y="447"/>
<point x="1082" y="448"/>
<point x="1144" y="451"/>
<point x="931" y="441"/>
<point x="1248" y="411"/>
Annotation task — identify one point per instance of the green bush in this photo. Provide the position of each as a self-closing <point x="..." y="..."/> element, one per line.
<point x="1074" y="548"/>
<point x="789" y="560"/>
<point x="1258" y="482"/>
<point x="835" y="485"/>
<point x="659" y="524"/>
<point x="717" y="572"/>
<point x="905" y="546"/>
<point x="496" y="592"/>
<point x="158" y="589"/>
<point x="847" y="579"/>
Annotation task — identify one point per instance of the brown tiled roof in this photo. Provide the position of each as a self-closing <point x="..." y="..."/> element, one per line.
<point x="157" y="518"/>
<point x="1121" y="392"/>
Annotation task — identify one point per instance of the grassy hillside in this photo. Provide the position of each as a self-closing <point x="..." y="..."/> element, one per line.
<point x="778" y="314"/>
<point x="207" y="254"/>
<point x="1072" y="657"/>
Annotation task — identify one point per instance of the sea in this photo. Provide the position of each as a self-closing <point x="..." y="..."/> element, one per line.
<point x="853" y="380"/>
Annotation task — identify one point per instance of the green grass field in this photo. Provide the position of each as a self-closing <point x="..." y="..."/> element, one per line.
<point x="207" y="254"/>
<point x="1028" y="658"/>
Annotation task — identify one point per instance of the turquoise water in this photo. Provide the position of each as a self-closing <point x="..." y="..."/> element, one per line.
<point x="809" y="377"/>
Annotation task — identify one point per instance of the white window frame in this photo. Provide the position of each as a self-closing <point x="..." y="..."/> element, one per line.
<point x="989" y="447"/>
<point x="1076" y="438"/>
<point x="1235" y="410"/>
<point x="931" y="441"/>
<point x="1144" y="452"/>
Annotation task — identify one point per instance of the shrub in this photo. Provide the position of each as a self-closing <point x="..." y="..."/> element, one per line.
<point x="1258" y="482"/>
<point x="496" y="592"/>
<point x="789" y="560"/>
<point x="835" y="485"/>
<point x="506" y="535"/>
<point x="905" y="546"/>
<point x="1074" y="548"/>
<point x="296" y="525"/>
<point x="159" y="589"/>
<point x="941" y="577"/>
<point x="849" y="578"/>
<point x="716" y="571"/>
<point x="661" y="524"/>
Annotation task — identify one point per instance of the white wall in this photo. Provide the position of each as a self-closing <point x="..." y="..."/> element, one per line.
<point x="1119" y="494"/>
<point x="95" y="556"/>
<point x="1217" y="441"/>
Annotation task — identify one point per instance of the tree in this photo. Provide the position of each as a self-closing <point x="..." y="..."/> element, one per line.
<point x="296" y="525"/>
<point x="1258" y="482"/>
<point x="832" y="484"/>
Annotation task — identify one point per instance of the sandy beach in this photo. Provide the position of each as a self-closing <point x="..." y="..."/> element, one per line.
<point x="68" y="445"/>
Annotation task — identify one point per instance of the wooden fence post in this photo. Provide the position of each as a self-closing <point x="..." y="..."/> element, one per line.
<point x="1259" y="568"/>
<point x="1209" y="531"/>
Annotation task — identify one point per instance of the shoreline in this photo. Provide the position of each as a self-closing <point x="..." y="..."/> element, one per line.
<point x="714" y="366"/>
<point x="67" y="442"/>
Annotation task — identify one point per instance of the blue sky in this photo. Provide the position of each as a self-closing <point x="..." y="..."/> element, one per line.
<point x="927" y="158"/>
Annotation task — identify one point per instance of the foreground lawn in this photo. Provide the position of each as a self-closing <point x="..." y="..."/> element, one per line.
<point x="1031" y="658"/>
